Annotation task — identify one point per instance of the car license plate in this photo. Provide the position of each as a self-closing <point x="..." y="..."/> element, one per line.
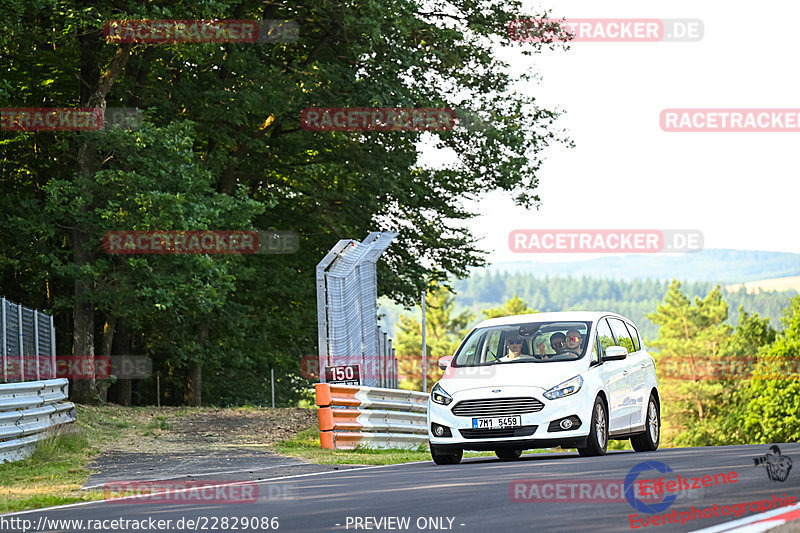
<point x="497" y="422"/>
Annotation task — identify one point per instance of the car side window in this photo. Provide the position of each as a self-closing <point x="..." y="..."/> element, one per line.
<point x="621" y="334"/>
<point x="604" y="334"/>
<point x="634" y="336"/>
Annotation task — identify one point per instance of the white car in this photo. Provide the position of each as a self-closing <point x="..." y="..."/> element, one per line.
<point x="570" y="379"/>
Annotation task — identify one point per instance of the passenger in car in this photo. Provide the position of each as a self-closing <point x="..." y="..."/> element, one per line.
<point x="574" y="341"/>
<point x="556" y="343"/>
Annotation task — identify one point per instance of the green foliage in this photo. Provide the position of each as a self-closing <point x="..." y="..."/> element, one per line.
<point x="220" y="147"/>
<point x="702" y="412"/>
<point x="512" y="307"/>
<point x="728" y="400"/>
<point x="772" y="413"/>
<point x="443" y="333"/>
<point x="634" y="298"/>
<point x="692" y="332"/>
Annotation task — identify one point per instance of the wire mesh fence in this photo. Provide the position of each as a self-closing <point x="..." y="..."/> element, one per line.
<point x="27" y="340"/>
<point x="350" y="339"/>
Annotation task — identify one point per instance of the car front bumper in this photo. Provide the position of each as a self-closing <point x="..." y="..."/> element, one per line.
<point x="463" y="436"/>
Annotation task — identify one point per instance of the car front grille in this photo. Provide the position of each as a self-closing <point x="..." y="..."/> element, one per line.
<point x="497" y="407"/>
<point x="520" y="431"/>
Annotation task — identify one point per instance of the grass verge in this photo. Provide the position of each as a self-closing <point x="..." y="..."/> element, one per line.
<point x="56" y="471"/>
<point x="53" y="475"/>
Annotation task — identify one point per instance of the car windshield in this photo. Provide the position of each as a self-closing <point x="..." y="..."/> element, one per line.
<point x="532" y="342"/>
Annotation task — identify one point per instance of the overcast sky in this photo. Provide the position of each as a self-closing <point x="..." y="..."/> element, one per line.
<point x="739" y="189"/>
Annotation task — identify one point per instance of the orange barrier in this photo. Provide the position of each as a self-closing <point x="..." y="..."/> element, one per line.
<point x="352" y="416"/>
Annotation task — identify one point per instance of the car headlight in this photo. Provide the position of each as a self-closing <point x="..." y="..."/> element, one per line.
<point x="567" y="388"/>
<point x="440" y="396"/>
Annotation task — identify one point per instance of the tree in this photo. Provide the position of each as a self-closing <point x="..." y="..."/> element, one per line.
<point x="775" y="385"/>
<point x="512" y="307"/>
<point x="237" y="105"/>
<point x="692" y="332"/>
<point x="728" y="398"/>
<point x="443" y="333"/>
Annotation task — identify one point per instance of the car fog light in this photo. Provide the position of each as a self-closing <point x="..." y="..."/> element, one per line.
<point x="566" y="423"/>
<point x="439" y="430"/>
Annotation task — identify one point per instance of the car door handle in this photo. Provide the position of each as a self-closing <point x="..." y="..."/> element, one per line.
<point x="624" y="372"/>
<point x="644" y="365"/>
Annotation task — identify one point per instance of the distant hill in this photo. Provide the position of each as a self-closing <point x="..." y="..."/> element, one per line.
<point x="775" y="284"/>
<point x="718" y="266"/>
<point x="631" y="285"/>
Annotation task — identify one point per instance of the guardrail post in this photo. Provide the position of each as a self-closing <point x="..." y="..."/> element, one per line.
<point x="54" y="372"/>
<point x="21" y="344"/>
<point x="5" y="335"/>
<point x="36" y="341"/>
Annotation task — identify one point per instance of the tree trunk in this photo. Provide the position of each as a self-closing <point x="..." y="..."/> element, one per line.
<point x="105" y="348"/>
<point x="694" y="375"/>
<point x="193" y="393"/>
<point x="95" y="84"/>
<point x="194" y="386"/>
<point x="83" y="387"/>
<point x="120" y="392"/>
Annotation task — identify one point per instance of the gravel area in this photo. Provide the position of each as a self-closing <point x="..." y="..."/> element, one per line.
<point x="220" y="445"/>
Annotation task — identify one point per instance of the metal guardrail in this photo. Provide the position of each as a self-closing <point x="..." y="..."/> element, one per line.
<point x="370" y="417"/>
<point x="28" y="411"/>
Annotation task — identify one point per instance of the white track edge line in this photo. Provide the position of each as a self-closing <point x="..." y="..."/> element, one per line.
<point x="747" y="520"/>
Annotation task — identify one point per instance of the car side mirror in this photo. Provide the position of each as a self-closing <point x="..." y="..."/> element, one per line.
<point x="445" y="361"/>
<point x="615" y="353"/>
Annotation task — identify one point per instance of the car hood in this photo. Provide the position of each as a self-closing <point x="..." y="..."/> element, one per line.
<point x="541" y="375"/>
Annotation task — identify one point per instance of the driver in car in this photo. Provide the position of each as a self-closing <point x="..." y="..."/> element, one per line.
<point x="514" y="348"/>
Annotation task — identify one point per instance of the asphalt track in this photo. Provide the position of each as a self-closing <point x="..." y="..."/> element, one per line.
<point x="470" y="497"/>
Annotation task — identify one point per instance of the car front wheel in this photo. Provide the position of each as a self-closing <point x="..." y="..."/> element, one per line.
<point x="648" y="441"/>
<point x="442" y="457"/>
<point x="597" y="443"/>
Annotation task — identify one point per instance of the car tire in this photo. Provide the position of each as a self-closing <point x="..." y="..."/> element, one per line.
<point x="441" y="457"/>
<point x="508" y="455"/>
<point x="597" y="443"/>
<point x="648" y="441"/>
